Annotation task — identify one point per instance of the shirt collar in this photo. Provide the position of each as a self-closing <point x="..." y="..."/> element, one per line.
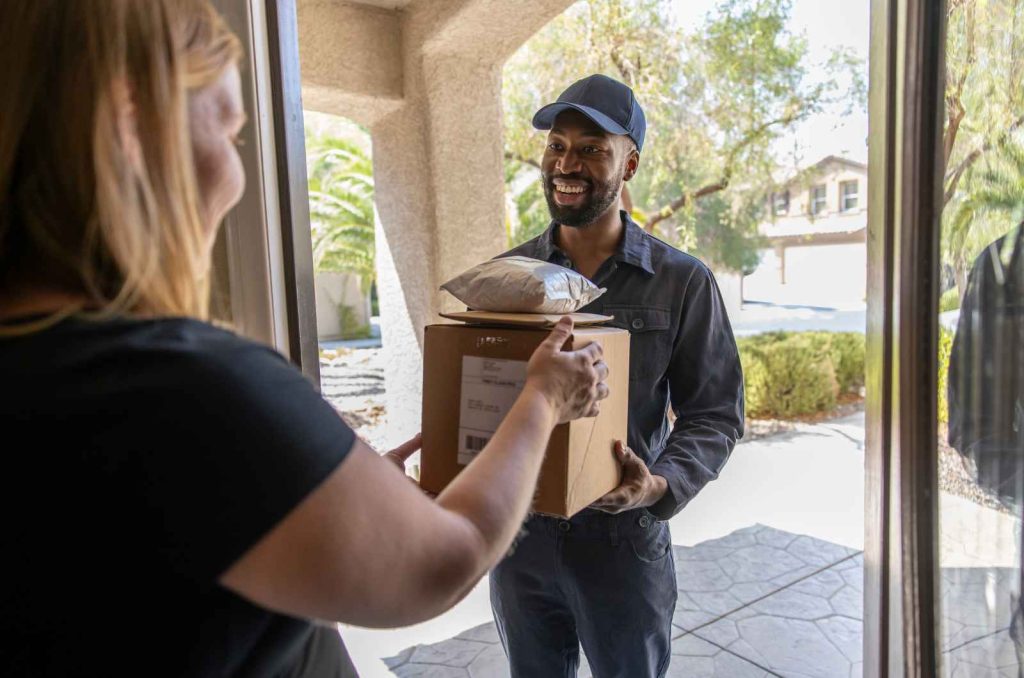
<point x="635" y="248"/>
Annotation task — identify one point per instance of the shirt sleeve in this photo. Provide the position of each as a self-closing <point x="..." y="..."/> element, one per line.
<point x="985" y="377"/>
<point x="706" y="391"/>
<point x="234" y="439"/>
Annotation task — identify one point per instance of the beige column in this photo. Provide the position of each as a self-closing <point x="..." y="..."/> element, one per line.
<point x="437" y="148"/>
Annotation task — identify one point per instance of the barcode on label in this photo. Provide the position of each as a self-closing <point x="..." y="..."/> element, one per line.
<point x="476" y="443"/>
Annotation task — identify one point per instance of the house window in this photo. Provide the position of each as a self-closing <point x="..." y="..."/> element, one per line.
<point x="848" y="195"/>
<point x="817" y="199"/>
<point x="780" y="202"/>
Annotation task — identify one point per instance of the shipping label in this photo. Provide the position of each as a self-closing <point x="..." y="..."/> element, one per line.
<point x="489" y="389"/>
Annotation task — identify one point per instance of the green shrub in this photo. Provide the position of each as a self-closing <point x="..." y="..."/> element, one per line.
<point x="847" y="352"/>
<point x="945" y="349"/>
<point x="350" y="327"/>
<point x="787" y="375"/>
<point x="949" y="301"/>
<point x="845" y="349"/>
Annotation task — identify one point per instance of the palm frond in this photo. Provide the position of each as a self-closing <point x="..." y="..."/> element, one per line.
<point x="341" y="194"/>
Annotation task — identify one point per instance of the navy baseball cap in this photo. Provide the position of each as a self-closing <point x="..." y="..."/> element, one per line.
<point x="609" y="103"/>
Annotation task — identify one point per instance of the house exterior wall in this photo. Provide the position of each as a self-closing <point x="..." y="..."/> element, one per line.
<point x="798" y="221"/>
<point x="815" y="260"/>
<point x="333" y="292"/>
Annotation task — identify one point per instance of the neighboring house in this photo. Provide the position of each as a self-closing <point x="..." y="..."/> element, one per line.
<point x="816" y="234"/>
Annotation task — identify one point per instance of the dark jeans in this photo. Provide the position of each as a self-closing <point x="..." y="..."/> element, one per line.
<point x="606" y="582"/>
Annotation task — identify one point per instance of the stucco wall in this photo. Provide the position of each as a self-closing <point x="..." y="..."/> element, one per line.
<point x="426" y="80"/>
<point x="365" y="78"/>
<point x="334" y="291"/>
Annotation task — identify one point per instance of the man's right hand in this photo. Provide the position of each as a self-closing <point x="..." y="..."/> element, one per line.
<point x="572" y="381"/>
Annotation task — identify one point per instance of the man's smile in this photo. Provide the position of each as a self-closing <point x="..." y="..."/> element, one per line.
<point x="569" y="192"/>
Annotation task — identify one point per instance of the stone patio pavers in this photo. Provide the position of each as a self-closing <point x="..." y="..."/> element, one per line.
<point x="455" y="652"/>
<point x="723" y="575"/>
<point x="992" y="656"/>
<point x="963" y="620"/>
<point x="797" y="630"/>
<point x="761" y="602"/>
<point x="720" y="582"/>
<point x="693" y="657"/>
<point x="485" y="633"/>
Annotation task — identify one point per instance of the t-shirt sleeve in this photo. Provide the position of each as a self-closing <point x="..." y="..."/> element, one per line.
<point x="231" y="438"/>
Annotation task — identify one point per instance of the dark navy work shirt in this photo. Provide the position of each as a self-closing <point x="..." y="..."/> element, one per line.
<point x="682" y="354"/>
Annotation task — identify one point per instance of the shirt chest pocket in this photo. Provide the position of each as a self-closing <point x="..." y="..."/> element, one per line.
<point x="650" y="343"/>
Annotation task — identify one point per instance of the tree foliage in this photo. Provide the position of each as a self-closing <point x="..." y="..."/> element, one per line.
<point x="989" y="203"/>
<point x="341" y="205"/>
<point x="982" y="135"/>
<point x="717" y="97"/>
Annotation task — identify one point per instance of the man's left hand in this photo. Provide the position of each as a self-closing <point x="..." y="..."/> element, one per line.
<point x="400" y="454"/>
<point x="639" y="487"/>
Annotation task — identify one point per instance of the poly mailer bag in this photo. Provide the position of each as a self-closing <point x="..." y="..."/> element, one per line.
<point x="522" y="285"/>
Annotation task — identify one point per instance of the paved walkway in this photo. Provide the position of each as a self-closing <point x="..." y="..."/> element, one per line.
<point x="372" y="341"/>
<point x="758" y="602"/>
<point x="762" y="602"/>
<point x="756" y="317"/>
<point x="769" y="583"/>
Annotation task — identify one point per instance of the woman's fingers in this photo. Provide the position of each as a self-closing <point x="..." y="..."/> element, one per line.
<point x="572" y="380"/>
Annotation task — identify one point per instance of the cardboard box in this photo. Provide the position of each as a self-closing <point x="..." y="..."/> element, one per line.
<point x="471" y="377"/>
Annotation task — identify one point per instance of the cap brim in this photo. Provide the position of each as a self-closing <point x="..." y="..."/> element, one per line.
<point x="545" y="117"/>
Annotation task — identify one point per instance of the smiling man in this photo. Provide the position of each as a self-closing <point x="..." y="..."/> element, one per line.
<point x="606" y="578"/>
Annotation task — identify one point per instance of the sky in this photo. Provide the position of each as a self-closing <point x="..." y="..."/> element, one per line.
<point x="826" y="24"/>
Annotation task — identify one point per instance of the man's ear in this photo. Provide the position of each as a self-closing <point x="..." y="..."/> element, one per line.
<point x="632" y="163"/>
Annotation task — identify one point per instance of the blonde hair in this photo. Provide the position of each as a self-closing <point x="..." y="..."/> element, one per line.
<point x="85" y="208"/>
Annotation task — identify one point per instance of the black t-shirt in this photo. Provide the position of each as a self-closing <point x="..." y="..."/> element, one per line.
<point x="141" y="459"/>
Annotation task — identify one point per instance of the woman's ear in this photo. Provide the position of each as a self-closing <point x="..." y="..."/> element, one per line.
<point x="126" y="121"/>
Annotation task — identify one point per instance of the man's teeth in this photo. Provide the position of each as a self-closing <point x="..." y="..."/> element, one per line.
<point x="562" y="188"/>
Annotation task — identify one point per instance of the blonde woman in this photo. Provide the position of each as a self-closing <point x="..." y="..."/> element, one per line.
<point x="177" y="500"/>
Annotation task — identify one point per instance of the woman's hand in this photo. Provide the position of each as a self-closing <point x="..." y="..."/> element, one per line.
<point x="571" y="381"/>
<point x="323" y="560"/>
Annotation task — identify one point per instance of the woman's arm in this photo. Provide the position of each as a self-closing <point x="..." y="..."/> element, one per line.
<point x="366" y="547"/>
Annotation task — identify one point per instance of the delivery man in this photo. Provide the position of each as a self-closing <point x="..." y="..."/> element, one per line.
<point x="606" y="578"/>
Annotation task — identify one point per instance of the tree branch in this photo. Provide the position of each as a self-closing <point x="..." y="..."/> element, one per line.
<point x="653" y="218"/>
<point x="954" y="5"/>
<point x="523" y="159"/>
<point x="626" y="70"/>
<point x="953" y="176"/>
<point x="954" y="98"/>
<point x="956" y="116"/>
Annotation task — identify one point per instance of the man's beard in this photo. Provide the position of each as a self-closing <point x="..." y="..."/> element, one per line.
<point x="599" y="197"/>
